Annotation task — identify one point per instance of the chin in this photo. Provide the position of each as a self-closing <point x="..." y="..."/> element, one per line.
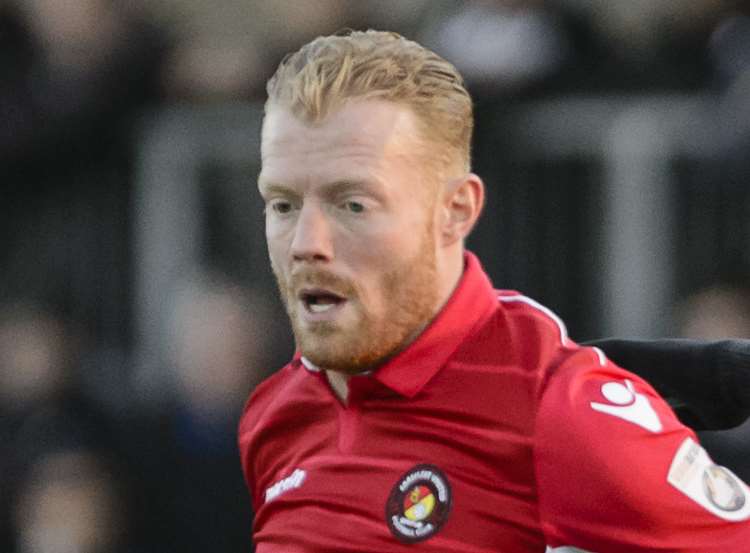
<point x="353" y="349"/>
<point x="326" y="355"/>
<point x="345" y="358"/>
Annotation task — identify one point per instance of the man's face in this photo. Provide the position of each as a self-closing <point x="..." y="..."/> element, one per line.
<point x="350" y="213"/>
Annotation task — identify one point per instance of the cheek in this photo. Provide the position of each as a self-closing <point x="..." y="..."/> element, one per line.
<point x="377" y="253"/>
<point x="402" y="246"/>
<point x="277" y="243"/>
<point x="379" y="260"/>
<point x="274" y="234"/>
<point x="278" y="266"/>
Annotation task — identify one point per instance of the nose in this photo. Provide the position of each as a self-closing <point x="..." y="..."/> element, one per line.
<point x="312" y="241"/>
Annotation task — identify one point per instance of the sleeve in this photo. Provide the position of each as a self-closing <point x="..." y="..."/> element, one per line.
<point x="617" y="472"/>
<point x="706" y="382"/>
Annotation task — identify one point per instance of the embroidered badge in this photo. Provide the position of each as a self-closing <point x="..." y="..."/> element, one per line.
<point x="711" y="486"/>
<point x="419" y="504"/>
<point x="723" y="489"/>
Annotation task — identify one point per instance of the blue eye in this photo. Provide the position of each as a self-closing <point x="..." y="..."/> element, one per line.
<point x="354" y="207"/>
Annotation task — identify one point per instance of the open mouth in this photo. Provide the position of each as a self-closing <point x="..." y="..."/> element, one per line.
<point x="320" y="301"/>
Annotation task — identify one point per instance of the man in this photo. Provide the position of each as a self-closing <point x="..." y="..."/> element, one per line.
<point x="425" y="410"/>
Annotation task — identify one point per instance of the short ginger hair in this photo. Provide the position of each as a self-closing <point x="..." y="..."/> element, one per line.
<point x="318" y="78"/>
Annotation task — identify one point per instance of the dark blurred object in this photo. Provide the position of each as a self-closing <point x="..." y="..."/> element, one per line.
<point x="707" y="383"/>
<point x="227" y="51"/>
<point x="71" y="74"/>
<point x="74" y="77"/>
<point x="519" y="49"/>
<point x="721" y="309"/>
<point x="185" y="450"/>
<point x="500" y="47"/>
<point x="42" y="404"/>
<point x="641" y="45"/>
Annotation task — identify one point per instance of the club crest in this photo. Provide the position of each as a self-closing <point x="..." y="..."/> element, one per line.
<point x="419" y="504"/>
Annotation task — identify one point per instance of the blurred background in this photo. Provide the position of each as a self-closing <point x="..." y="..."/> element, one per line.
<point x="137" y="309"/>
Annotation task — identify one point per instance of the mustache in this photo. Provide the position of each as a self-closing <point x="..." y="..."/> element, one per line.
<point x="316" y="278"/>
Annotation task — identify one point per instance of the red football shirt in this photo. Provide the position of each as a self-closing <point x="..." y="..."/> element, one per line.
<point x="492" y="432"/>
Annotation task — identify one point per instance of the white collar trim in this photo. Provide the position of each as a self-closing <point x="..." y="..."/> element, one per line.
<point x="309" y="366"/>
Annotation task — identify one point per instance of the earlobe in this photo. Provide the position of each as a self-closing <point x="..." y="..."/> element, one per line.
<point x="462" y="205"/>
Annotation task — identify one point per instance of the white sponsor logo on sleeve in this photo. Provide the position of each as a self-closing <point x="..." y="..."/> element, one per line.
<point x="715" y="488"/>
<point x="291" y="482"/>
<point x="566" y="549"/>
<point x="627" y="404"/>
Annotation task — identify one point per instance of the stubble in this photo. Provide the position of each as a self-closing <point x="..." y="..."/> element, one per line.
<point x="408" y="289"/>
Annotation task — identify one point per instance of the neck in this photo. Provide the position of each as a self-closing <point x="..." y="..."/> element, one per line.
<point x="452" y="266"/>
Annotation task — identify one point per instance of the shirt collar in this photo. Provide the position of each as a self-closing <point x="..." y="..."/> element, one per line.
<point x="471" y="302"/>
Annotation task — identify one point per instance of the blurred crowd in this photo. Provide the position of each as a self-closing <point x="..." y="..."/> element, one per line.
<point x="87" y="463"/>
<point x="89" y="466"/>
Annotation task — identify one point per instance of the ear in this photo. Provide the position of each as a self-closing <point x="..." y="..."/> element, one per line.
<point x="462" y="202"/>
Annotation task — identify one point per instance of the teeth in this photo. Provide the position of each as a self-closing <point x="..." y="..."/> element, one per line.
<point x="320" y="307"/>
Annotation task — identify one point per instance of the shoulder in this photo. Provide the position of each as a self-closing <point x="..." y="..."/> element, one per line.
<point x="526" y="312"/>
<point x="614" y="463"/>
<point x="256" y="419"/>
<point x="537" y="330"/>
<point x="522" y="333"/>
<point x="264" y="395"/>
<point x="516" y="350"/>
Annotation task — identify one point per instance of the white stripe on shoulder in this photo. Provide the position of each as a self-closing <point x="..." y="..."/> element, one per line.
<point x="309" y="366"/>
<point x="566" y="549"/>
<point x="601" y="356"/>
<point x="538" y="306"/>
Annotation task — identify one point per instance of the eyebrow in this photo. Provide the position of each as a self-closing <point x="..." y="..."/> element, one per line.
<point x="329" y="189"/>
<point x="270" y="187"/>
<point x="339" y="186"/>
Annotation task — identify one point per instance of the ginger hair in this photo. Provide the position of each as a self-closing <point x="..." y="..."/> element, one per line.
<point x="322" y="75"/>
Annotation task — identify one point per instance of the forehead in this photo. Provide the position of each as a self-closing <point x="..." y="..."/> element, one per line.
<point x="362" y="134"/>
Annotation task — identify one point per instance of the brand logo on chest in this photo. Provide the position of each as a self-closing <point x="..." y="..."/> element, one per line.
<point x="419" y="504"/>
